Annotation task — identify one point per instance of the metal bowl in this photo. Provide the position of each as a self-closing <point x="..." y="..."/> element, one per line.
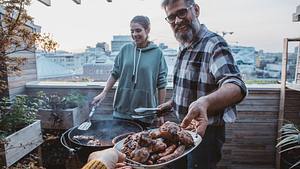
<point x="197" y="140"/>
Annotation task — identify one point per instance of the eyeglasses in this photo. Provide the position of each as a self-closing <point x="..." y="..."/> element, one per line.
<point x="181" y="13"/>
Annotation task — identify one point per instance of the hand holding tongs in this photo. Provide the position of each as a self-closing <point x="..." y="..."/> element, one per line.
<point x="86" y="125"/>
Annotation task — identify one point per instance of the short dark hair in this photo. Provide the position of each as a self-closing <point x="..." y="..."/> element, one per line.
<point x="142" y="20"/>
<point x="165" y="3"/>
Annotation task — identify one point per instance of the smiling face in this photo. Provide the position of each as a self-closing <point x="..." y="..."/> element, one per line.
<point x="139" y="34"/>
<point x="185" y="25"/>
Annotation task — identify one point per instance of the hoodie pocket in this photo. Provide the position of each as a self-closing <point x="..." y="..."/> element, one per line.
<point x="142" y="98"/>
<point x="122" y="100"/>
<point x="126" y="100"/>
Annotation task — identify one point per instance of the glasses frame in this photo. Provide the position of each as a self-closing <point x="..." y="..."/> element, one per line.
<point x="176" y="15"/>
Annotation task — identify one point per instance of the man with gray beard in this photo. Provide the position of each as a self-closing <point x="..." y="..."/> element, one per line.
<point x="207" y="83"/>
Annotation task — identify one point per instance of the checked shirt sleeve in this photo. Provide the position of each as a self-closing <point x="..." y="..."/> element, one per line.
<point x="224" y="69"/>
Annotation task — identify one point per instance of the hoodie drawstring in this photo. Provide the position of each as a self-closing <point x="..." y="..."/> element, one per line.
<point x="136" y="66"/>
<point x="133" y="72"/>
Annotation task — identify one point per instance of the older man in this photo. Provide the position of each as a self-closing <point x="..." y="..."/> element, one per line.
<point x="207" y="83"/>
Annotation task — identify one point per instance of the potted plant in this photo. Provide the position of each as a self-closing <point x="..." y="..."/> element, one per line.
<point x="289" y="145"/>
<point x="58" y="111"/>
<point x="20" y="132"/>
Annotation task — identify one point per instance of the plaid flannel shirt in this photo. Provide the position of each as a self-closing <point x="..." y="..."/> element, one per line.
<point x="202" y="68"/>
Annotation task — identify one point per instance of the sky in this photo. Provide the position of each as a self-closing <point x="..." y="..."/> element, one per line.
<point x="259" y="23"/>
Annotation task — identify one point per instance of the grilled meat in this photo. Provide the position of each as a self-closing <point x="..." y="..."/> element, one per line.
<point x="130" y="144"/>
<point x="145" y="139"/>
<point x="90" y="140"/>
<point x="169" y="130"/>
<point x="140" y="155"/>
<point x="168" y="150"/>
<point x="154" y="157"/>
<point x="158" y="146"/>
<point x="155" y="134"/>
<point x="185" y="138"/>
<point x="82" y="137"/>
<point x="176" y="153"/>
<point x="94" y="142"/>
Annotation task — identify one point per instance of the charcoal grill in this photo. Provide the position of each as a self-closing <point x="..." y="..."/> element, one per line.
<point x="103" y="130"/>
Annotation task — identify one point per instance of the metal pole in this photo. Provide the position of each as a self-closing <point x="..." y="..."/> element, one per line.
<point x="282" y="95"/>
<point x="297" y="81"/>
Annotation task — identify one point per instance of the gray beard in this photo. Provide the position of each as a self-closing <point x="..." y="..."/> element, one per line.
<point x="187" y="37"/>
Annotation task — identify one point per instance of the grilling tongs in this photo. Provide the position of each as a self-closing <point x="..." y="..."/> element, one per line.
<point x="144" y="109"/>
<point x="86" y="125"/>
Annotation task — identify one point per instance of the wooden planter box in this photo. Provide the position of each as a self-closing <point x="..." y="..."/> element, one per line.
<point x="20" y="143"/>
<point x="61" y="119"/>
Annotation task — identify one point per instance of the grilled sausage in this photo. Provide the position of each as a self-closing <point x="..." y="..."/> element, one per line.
<point x="179" y="151"/>
<point x="168" y="151"/>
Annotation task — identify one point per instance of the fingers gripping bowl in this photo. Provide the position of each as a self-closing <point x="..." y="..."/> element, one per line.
<point x="156" y="148"/>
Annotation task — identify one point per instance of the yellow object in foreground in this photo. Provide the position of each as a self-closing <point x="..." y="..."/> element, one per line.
<point x="94" y="164"/>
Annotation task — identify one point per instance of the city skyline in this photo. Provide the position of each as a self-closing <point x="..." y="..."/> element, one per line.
<point x="261" y="24"/>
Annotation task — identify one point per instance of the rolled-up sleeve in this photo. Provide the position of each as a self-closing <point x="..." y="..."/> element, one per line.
<point x="116" y="69"/>
<point x="224" y="69"/>
<point x="163" y="73"/>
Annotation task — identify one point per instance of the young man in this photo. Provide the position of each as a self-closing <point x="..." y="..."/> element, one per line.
<point x="207" y="83"/>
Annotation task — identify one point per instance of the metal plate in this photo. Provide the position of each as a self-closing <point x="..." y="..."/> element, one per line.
<point x="197" y="140"/>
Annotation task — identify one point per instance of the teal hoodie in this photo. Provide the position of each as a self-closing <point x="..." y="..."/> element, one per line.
<point x="140" y="73"/>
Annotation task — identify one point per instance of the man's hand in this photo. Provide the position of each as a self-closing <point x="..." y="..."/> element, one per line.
<point x="111" y="158"/>
<point x="165" y="107"/>
<point x="198" y="111"/>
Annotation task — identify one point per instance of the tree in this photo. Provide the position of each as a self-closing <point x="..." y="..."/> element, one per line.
<point x="18" y="33"/>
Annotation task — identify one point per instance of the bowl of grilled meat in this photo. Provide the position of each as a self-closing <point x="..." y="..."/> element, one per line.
<point x="158" y="147"/>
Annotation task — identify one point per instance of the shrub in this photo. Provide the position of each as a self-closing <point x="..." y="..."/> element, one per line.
<point x="58" y="102"/>
<point x="17" y="113"/>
